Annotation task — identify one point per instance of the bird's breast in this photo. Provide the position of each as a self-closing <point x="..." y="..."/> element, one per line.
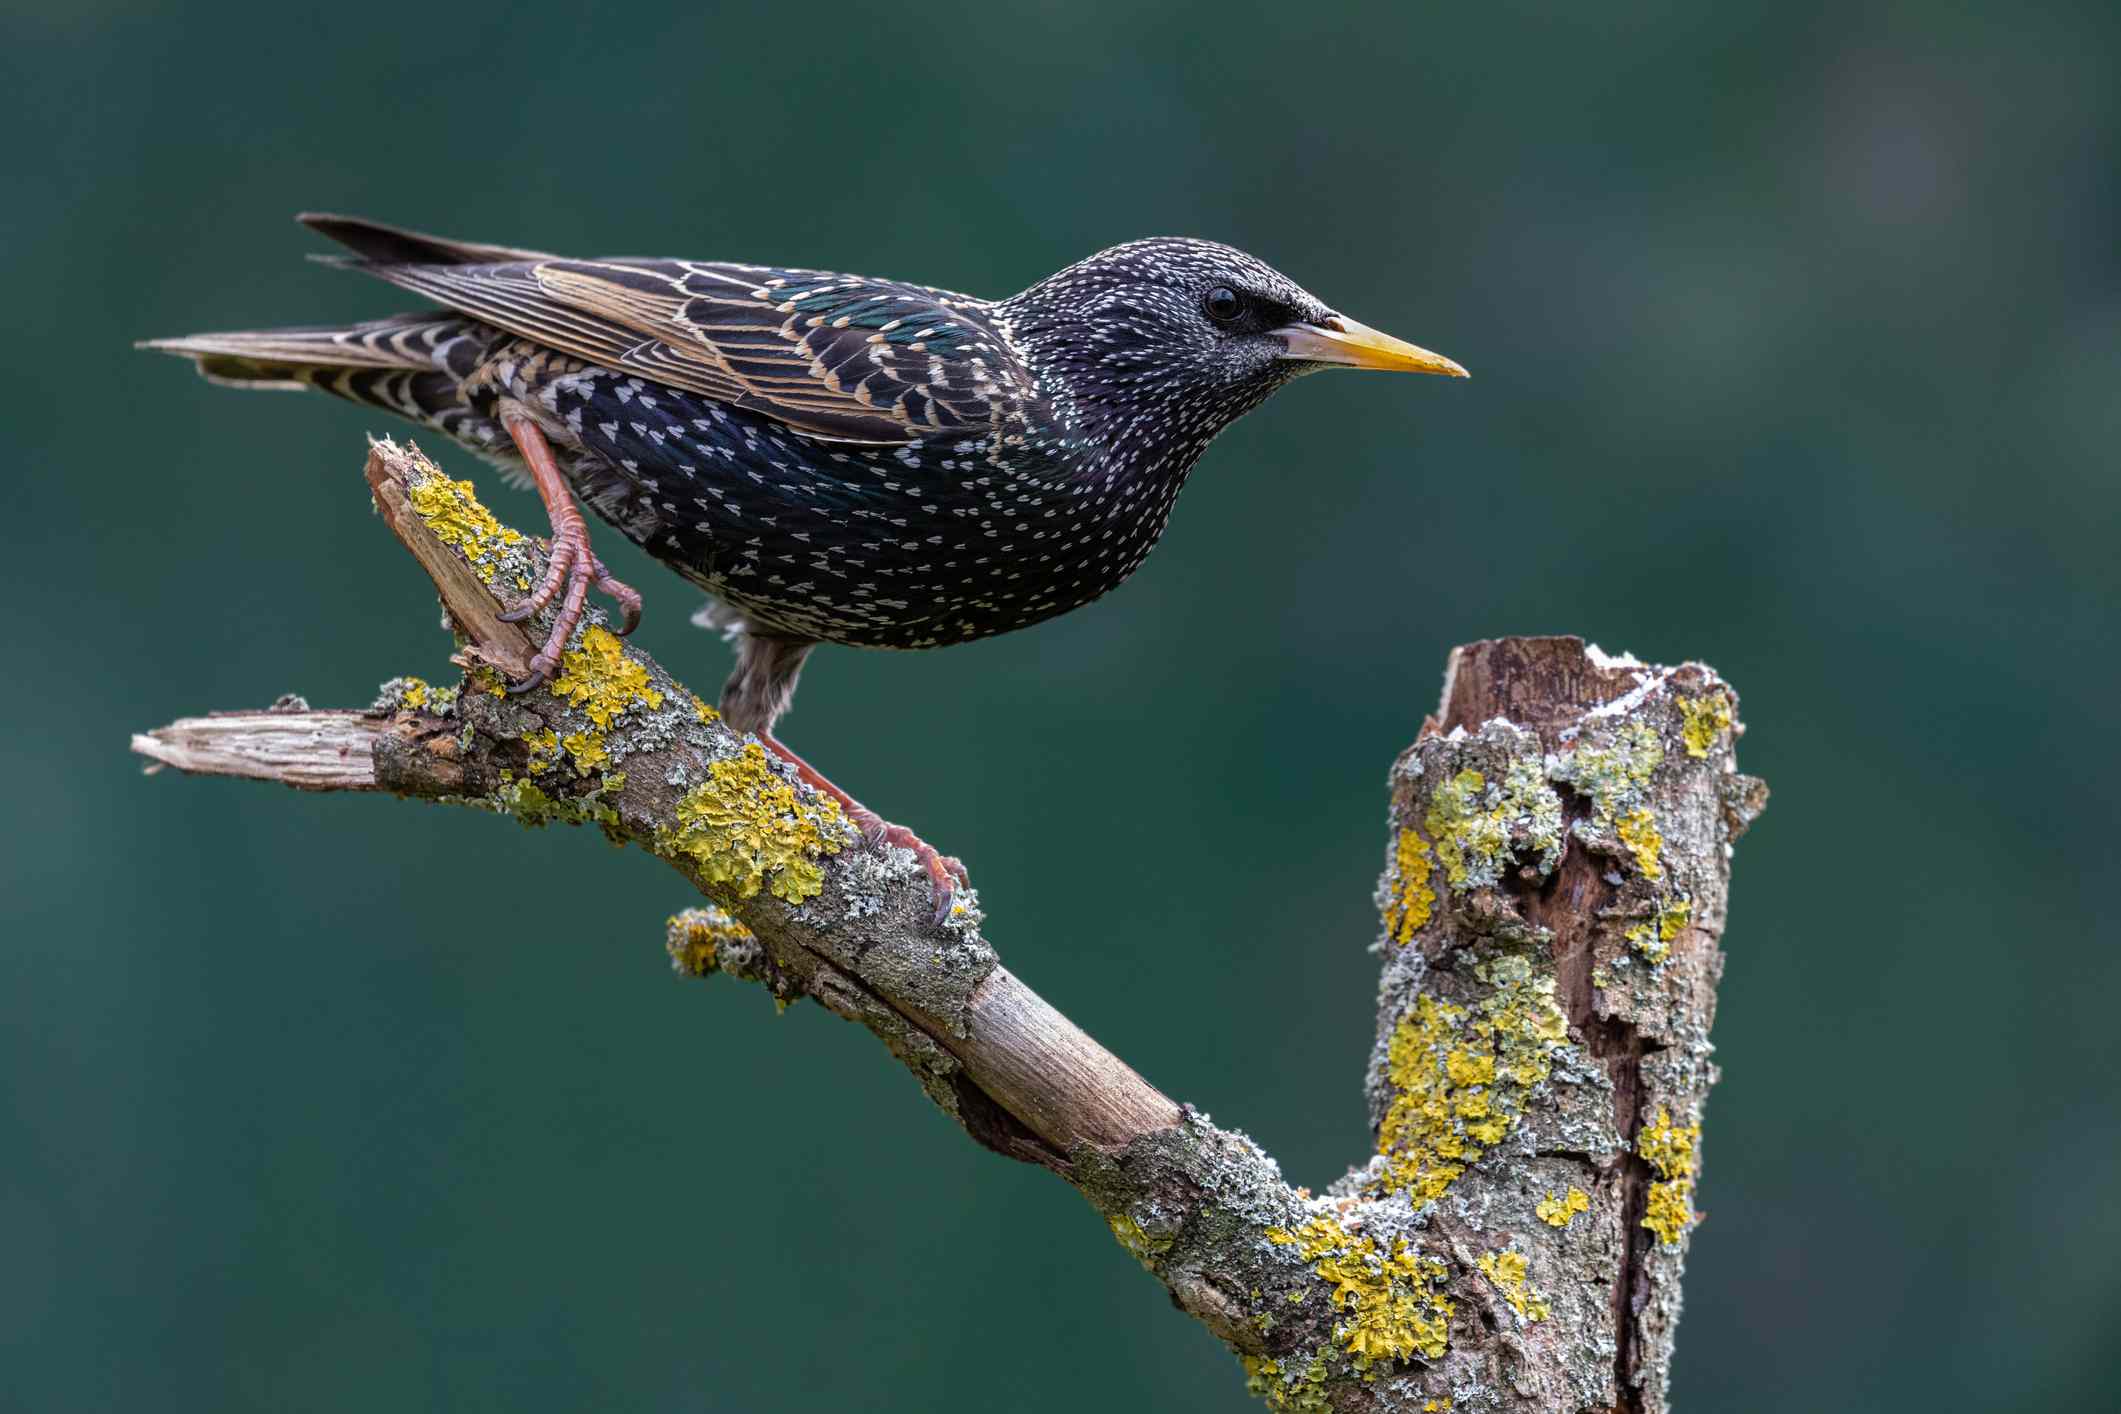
<point x="931" y="542"/>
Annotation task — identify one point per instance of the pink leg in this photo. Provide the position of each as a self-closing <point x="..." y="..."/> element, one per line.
<point x="945" y="872"/>
<point x="571" y="566"/>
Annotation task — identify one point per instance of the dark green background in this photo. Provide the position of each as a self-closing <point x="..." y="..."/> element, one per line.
<point x="1796" y="334"/>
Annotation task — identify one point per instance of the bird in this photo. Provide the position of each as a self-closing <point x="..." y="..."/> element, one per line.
<point x="832" y="458"/>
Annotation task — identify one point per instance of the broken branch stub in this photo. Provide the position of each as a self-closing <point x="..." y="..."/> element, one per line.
<point x="1556" y="881"/>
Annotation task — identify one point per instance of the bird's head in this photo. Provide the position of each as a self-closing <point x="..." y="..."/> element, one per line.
<point x="1183" y="336"/>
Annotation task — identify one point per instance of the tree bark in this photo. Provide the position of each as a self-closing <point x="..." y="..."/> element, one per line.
<point x="1557" y="870"/>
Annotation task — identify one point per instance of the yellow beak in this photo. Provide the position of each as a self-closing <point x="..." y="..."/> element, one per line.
<point x="1340" y="340"/>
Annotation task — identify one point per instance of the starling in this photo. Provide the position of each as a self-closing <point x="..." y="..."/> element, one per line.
<point x="833" y="459"/>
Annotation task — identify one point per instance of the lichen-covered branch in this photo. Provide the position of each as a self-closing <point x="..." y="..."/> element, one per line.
<point x="1555" y="887"/>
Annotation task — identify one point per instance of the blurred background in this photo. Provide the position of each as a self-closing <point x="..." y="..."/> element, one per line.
<point x="1796" y="337"/>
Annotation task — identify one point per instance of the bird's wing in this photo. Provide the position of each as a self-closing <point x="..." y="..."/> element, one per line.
<point x="375" y="240"/>
<point x="835" y="356"/>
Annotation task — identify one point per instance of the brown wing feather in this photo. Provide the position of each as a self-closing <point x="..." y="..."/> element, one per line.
<point x="377" y="241"/>
<point x="832" y="355"/>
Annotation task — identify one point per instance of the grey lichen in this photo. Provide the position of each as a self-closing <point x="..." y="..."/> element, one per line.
<point x="1527" y="1174"/>
<point x="1490" y="808"/>
<point x="1475" y="1262"/>
<point x="1539" y="1076"/>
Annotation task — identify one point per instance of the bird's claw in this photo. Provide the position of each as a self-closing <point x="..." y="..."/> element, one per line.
<point x="542" y="668"/>
<point x="946" y="872"/>
<point x="572" y="567"/>
<point x="628" y="598"/>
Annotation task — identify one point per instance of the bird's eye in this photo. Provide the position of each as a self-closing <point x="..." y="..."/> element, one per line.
<point x="1223" y="304"/>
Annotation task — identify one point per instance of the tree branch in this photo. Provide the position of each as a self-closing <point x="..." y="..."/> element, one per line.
<point x="1555" y="888"/>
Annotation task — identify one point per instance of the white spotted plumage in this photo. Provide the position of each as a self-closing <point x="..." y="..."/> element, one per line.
<point x="836" y="459"/>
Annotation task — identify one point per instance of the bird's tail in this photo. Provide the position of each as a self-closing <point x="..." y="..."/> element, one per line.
<point x="292" y="358"/>
<point x="395" y="245"/>
<point x="333" y="356"/>
<point x="413" y="365"/>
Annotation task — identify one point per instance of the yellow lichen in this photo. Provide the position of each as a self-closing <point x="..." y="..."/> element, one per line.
<point x="601" y="679"/>
<point x="587" y="749"/>
<point x="1507" y="1271"/>
<point x="529" y="806"/>
<point x="1409" y="898"/>
<point x="532" y="807"/>
<point x="1460" y="1076"/>
<point x="1613" y="775"/>
<point x="1477" y="827"/>
<point x="707" y="715"/>
<point x="1638" y="831"/>
<point x="1669" y="1212"/>
<point x="1667" y="1147"/>
<point x="452" y="511"/>
<point x="1287" y="1391"/>
<point x="544" y="747"/>
<point x="1555" y="1210"/>
<point x="1703" y="721"/>
<point x="1136" y="1239"/>
<point x="1465" y="835"/>
<point x="695" y="938"/>
<point x="1390" y="1305"/>
<point x="1654" y="940"/>
<point x="1670" y="1149"/>
<point x="412" y="694"/>
<point x="745" y="828"/>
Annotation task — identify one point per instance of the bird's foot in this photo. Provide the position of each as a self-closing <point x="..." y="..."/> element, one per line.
<point x="574" y="568"/>
<point x="946" y="872"/>
<point x="571" y="566"/>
